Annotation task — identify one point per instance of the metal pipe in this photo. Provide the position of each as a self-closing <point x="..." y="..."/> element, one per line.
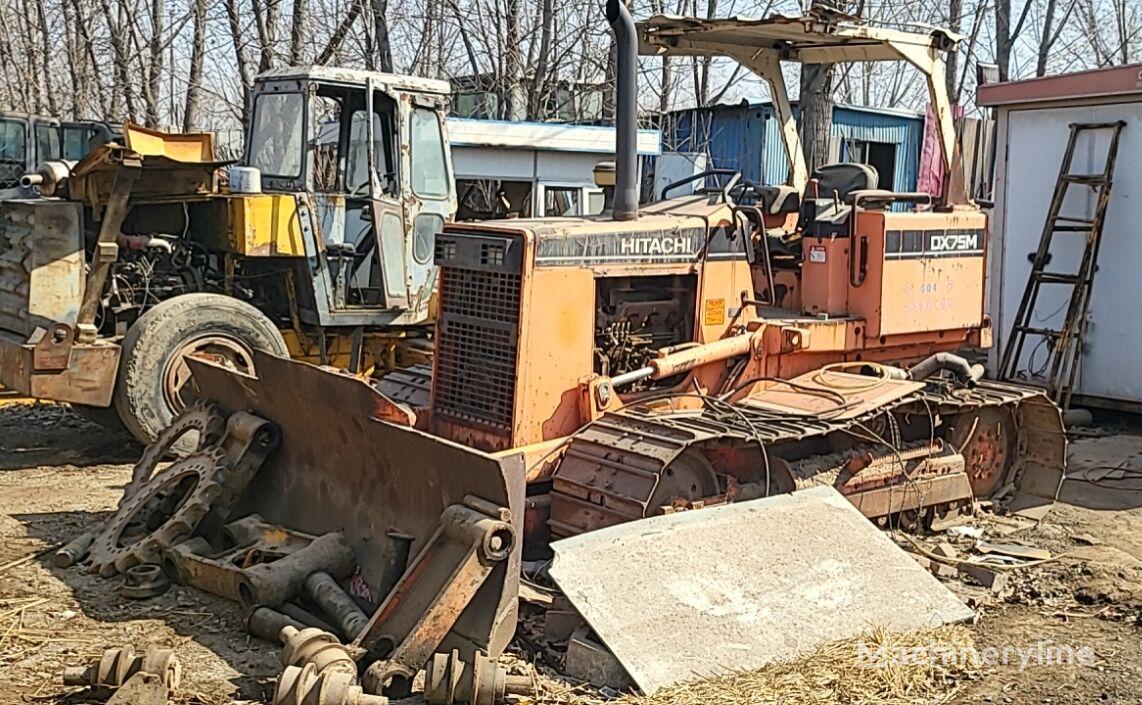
<point x="626" y="111"/>
<point x="955" y="364"/>
<point x="633" y="376"/>
<point x="685" y="360"/>
<point x="336" y="604"/>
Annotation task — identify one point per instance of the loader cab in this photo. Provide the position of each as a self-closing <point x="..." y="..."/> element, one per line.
<point x="361" y="160"/>
<point x="25" y="141"/>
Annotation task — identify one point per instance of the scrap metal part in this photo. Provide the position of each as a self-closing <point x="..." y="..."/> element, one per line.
<point x="200" y="417"/>
<point x="173" y="502"/>
<point x="274" y="583"/>
<point x="116" y="666"/>
<point x="143" y="688"/>
<point x="141" y="582"/>
<point x="75" y="550"/>
<point x="413" y="621"/>
<point x="307" y="686"/>
<point x="324" y="650"/>
<point x="267" y="623"/>
<point x="324" y="591"/>
<point x="195" y="561"/>
<point x="450" y="680"/>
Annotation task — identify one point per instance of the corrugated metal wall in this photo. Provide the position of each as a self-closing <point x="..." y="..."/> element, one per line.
<point x="903" y="131"/>
<point x="747" y="138"/>
<point x="732" y="135"/>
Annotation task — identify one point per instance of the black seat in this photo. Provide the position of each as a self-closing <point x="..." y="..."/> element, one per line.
<point x="844" y="179"/>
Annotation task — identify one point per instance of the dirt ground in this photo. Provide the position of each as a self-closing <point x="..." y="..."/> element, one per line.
<point x="59" y="474"/>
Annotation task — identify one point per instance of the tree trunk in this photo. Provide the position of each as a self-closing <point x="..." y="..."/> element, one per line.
<point x="233" y="19"/>
<point x="816" y="117"/>
<point x="380" y="56"/>
<point x="155" y="67"/>
<point x="194" y="76"/>
<point x="46" y="57"/>
<point x="955" y="23"/>
<point x="297" y="31"/>
<point x="510" y="80"/>
<point x="339" y="34"/>
<point x="538" y="89"/>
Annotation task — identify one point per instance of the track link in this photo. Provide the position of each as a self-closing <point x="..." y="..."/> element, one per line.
<point x="611" y="470"/>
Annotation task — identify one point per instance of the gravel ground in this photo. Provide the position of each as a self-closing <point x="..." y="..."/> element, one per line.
<point x="59" y="474"/>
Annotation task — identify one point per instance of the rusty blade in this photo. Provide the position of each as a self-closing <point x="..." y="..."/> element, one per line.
<point x="339" y="468"/>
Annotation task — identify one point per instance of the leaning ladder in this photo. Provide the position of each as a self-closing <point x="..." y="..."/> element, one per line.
<point x="1064" y="345"/>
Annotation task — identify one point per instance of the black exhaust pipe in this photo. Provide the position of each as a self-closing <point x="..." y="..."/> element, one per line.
<point x="626" y="111"/>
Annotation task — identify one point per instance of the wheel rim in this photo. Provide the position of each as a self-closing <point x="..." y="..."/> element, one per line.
<point x="987" y="451"/>
<point x="687" y="479"/>
<point x="178" y="392"/>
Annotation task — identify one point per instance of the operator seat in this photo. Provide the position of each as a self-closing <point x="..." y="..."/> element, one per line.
<point x="825" y="210"/>
<point x="844" y="179"/>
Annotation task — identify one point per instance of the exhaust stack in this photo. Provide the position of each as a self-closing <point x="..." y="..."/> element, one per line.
<point x="626" y="111"/>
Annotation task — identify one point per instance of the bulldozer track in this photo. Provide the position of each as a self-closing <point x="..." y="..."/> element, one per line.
<point x="611" y="469"/>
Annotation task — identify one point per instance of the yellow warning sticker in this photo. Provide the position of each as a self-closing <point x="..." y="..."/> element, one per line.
<point x="715" y="312"/>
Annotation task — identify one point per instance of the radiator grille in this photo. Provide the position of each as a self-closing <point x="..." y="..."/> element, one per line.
<point x="476" y="348"/>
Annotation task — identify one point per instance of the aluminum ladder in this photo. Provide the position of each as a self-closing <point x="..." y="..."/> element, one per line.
<point x="1064" y="345"/>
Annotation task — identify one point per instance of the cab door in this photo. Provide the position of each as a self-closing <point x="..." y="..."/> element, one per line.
<point x="427" y="199"/>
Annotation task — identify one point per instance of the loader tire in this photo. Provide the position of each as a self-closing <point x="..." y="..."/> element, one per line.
<point x="152" y="384"/>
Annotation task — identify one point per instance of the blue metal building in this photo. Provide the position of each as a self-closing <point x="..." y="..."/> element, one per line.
<point x="746" y="137"/>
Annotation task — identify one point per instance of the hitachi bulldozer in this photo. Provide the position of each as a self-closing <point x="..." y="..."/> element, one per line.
<point x="743" y="340"/>
<point x="739" y="342"/>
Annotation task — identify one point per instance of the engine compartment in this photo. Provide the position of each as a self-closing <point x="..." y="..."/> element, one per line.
<point x="637" y="316"/>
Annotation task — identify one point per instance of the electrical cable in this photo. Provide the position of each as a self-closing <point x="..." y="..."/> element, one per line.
<point x="883" y="377"/>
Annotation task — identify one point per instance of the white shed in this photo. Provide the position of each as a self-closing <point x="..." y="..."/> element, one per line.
<point x="1033" y="124"/>
<point x="546" y="168"/>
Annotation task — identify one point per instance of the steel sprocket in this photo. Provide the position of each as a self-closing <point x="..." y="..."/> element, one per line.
<point x="199" y="416"/>
<point x="168" y="507"/>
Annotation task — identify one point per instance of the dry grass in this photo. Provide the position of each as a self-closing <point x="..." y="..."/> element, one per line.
<point x="835" y="675"/>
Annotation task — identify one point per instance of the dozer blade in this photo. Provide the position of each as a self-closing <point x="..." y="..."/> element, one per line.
<point x="384" y="486"/>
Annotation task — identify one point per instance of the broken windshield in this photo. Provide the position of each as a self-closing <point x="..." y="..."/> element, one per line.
<point x="276" y="145"/>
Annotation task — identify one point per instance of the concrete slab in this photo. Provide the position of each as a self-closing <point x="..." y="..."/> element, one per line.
<point x="738" y="586"/>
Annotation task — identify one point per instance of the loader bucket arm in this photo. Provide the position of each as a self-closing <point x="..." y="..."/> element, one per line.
<point x="384" y="486"/>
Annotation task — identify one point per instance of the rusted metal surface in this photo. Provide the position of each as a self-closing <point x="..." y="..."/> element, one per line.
<point x="88" y="378"/>
<point x="276" y="582"/>
<point x="612" y="471"/>
<point x="986" y="439"/>
<point x="106" y="249"/>
<point x="147" y="523"/>
<point x="200" y="419"/>
<point x="324" y="591"/>
<point x="450" y="680"/>
<point x="266" y="623"/>
<point x="472" y="541"/>
<point x="74" y="551"/>
<point x="116" y="666"/>
<point x="142" y="582"/>
<point x="340" y="469"/>
<point x="195" y="562"/>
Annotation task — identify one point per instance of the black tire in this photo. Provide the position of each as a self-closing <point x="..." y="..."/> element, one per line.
<point x="151" y="350"/>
